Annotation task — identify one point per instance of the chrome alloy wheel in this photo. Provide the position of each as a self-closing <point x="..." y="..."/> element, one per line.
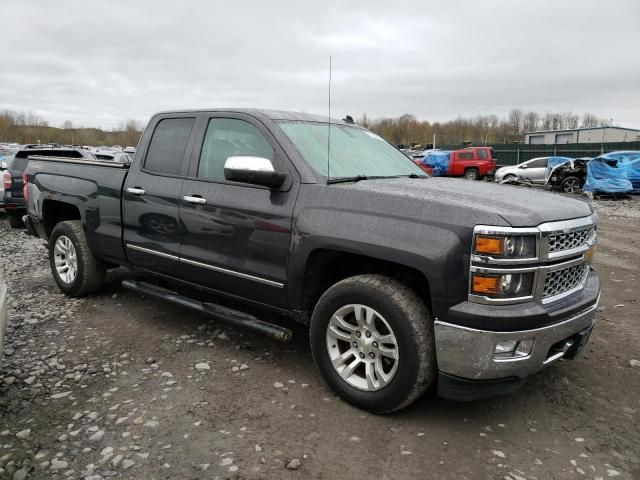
<point x="66" y="260"/>
<point x="362" y="347"/>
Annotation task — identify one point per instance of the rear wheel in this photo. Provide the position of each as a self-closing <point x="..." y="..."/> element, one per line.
<point x="14" y="221"/>
<point x="571" y="185"/>
<point x="472" y="174"/>
<point x="76" y="271"/>
<point x="372" y="340"/>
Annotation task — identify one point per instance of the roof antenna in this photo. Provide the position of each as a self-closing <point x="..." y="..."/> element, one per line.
<point x="329" y="132"/>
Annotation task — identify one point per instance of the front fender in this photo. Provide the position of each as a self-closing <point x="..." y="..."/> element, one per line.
<point x="437" y="251"/>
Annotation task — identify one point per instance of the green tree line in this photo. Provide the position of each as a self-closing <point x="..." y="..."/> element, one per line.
<point x="482" y="129"/>
<point x="28" y="127"/>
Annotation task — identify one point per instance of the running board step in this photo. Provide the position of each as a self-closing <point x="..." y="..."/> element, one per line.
<point x="220" y="313"/>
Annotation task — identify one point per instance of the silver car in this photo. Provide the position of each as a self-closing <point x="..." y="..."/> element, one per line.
<point x="533" y="170"/>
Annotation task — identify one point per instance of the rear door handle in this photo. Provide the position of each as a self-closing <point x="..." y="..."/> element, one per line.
<point x="194" y="199"/>
<point x="135" y="191"/>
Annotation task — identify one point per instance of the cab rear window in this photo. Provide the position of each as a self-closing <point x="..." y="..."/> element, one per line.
<point x="168" y="145"/>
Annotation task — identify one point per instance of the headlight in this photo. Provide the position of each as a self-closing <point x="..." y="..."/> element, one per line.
<point x="504" y="285"/>
<point x="506" y="246"/>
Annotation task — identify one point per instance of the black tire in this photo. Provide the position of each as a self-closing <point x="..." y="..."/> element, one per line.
<point x="509" y="178"/>
<point x="472" y="174"/>
<point x="412" y="325"/>
<point x="15" y="221"/>
<point x="90" y="272"/>
<point x="571" y="185"/>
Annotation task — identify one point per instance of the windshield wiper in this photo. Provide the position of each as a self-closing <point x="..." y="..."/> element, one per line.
<point x="357" y="178"/>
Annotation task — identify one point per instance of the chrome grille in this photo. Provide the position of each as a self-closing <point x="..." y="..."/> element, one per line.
<point x="559" y="241"/>
<point x="561" y="281"/>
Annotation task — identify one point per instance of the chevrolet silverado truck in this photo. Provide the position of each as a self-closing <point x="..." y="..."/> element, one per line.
<point x="405" y="281"/>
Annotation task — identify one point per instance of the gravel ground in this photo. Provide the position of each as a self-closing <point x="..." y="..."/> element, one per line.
<point x="627" y="207"/>
<point x="117" y="385"/>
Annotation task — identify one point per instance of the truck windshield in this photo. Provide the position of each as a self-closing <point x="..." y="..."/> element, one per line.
<point x="355" y="152"/>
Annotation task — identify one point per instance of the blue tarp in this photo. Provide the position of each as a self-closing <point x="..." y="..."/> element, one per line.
<point x="438" y="162"/>
<point x="629" y="163"/>
<point x="605" y="178"/>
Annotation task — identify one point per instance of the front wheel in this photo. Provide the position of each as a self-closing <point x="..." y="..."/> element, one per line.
<point x="76" y="271"/>
<point x="372" y="340"/>
<point x="472" y="174"/>
<point x="571" y="185"/>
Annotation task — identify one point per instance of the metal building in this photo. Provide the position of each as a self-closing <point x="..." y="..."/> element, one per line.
<point x="582" y="135"/>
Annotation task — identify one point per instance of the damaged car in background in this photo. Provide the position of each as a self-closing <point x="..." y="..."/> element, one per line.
<point x="565" y="174"/>
<point x="533" y="171"/>
<point x="628" y="162"/>
<point x="608" y="174"/>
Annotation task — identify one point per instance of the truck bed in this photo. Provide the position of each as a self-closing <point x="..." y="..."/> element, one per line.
<point x="93" y="187"/>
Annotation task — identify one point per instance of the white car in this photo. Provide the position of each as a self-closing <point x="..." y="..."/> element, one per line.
<point x="533" y="170"/>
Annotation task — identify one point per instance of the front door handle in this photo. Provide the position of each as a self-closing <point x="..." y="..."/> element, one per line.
<point x="194" y="199"/>
<point x="135" y="191"/>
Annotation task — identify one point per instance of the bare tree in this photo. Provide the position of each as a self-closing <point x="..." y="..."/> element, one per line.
<point x="515" y="121"/>
<point x="364" y="121"/>
<point x="589" y="120"/>
<point x="570" y="120"/>
<point x="547" y="121"/>
<point x="531" y="120"/>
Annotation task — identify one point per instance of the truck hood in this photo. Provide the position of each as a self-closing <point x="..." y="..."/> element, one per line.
<point x="518" y="206"/>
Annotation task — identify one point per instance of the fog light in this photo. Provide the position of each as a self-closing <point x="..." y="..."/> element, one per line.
<point x="507" y="347"/>
<point x="513" y="349"/>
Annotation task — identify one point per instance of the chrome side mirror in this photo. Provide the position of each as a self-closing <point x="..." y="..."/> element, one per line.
<point x="253" y="170"/>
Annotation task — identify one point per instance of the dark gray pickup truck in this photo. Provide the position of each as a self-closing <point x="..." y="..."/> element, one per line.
<point x="405" y="281"/>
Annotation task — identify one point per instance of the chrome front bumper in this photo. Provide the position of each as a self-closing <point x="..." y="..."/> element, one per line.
<point x="470" y="353"/>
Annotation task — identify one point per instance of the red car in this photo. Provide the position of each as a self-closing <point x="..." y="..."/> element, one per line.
<point x="472" y="163"/>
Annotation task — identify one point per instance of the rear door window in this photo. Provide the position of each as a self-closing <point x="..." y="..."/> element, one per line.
<point x="465" y="155"/>
<point x="168" y="145"/>
<point x="482" y="154"/>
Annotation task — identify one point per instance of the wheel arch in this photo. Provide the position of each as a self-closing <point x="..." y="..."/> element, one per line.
<point x="325" y="267"/>
<point x="55" y="211"/>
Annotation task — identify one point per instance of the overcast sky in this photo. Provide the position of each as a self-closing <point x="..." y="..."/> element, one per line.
<point x="98" y="63"/>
